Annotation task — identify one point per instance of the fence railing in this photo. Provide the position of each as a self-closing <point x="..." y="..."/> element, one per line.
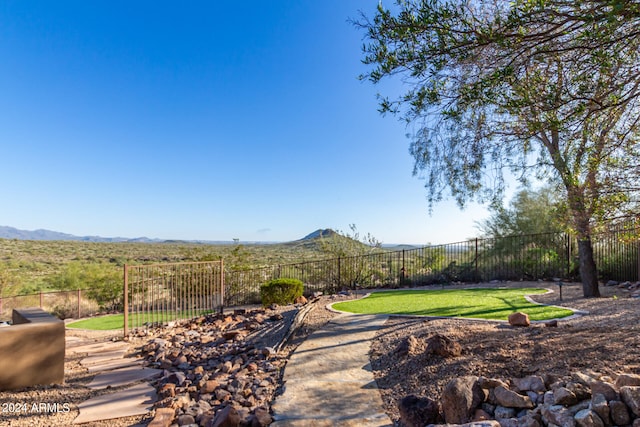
<point x="158" y="293"/>
<point x="521" y="257"/>
<point x="64" y="304"/>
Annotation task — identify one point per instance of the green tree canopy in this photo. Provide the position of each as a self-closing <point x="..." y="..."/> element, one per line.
<point x="529" y="212"/>
<point x="544" y="88"/>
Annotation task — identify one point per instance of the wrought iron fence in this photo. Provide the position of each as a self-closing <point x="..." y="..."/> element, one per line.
<point x="542" y="256"/>
<point x="64" y="304"/>
<point x="159" y="293"/>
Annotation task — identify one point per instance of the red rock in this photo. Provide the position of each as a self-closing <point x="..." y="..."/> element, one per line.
<point x="230" y="335"/>
<point x="163" y="417"/>
<point x="209" y="387"/>
<point x="261" y="417"/>
<point x="226" y="417"/>
<point x="168" y="390"/>
<point x="443" y="346"/>
<point x="519" y="319"/>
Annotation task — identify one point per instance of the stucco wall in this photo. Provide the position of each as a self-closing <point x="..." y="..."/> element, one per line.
<point x="31" y="350"/>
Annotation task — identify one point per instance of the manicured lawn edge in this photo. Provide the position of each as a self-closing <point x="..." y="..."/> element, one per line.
<point x="448" y="312"/>
<point x="113" y="322"/>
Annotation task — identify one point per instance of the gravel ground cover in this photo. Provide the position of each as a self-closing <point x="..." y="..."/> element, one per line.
<point x="56" y="405"/>
<point x="606" y="340"/>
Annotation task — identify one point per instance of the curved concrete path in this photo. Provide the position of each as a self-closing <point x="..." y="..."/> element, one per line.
<point x="328" y="380"/>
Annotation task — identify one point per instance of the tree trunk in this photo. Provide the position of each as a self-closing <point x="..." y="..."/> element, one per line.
<point x="588" y="271"/>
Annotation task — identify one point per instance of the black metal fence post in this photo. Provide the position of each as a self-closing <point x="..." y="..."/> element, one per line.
<point x="477" y="274"/>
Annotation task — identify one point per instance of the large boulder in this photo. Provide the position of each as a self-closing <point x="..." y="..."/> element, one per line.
<point x="511" y="399"/>
<point x="460" y="398"/>
<point x="519" y="319"/>
<point x="564" y="396"/>
<point x="601" y="407"/>
<point x="619" y="413"/>
<point x="627" y="380"/>
<point x="604" y="388"/>
<point x="588" y="418"/>
<point x="418" y="411"/>
<point x="226" y="417"/>
<point x="530" y="383"/>
<point x="558" y="415"/>
<point x="443" y="346"/>
<point x="631" y="396"/>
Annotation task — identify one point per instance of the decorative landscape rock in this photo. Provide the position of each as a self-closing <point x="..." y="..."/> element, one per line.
<point x="408" y="346"/>
<point x="531" y="383"/>
<point x="511" y="399"/>
<point x="558" y="415"/>
<point x="519" y="319"/>
<point x="631" y="397"/>
<point x="627" y="380"/>
<point x="588" y="418"/>
<point x="619" y="413"/>
<point x="564" y="396"/>
<point x="604" y="388"/>
<point x="600" y="406"/>
<point x="221" y="370"/>
<point x="418" y="411"/>
<point x="473" y="401"/>
<point x="460" y="398"/>
<point x="443" y="346"/>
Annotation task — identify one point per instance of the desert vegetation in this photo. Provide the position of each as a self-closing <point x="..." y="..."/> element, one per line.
<point x="31" y="266"/>
<point x="325" y="261"/>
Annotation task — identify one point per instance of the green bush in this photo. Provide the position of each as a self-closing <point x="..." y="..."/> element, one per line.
<point x="103" y="281"/>
<point x="281" y="291"/>
<point x="67" y="308"/>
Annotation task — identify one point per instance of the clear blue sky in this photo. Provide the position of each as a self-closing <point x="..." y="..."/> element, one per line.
<point x="203" y="120"/>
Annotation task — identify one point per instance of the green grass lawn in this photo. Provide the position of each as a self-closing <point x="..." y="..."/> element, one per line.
<point x="116" y="321"/>
<point x="481" y="303"/>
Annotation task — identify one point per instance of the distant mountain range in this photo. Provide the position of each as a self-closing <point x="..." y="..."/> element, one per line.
<point x="40" y="234"/>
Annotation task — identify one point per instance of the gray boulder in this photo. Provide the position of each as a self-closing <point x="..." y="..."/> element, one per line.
<point x="511" y="399"/>
<point x="558" y="415"/>
<point x="631" y="396"/>
<point x="418" y="411"/>
<point x="600" y="406"/>
<point x="530" y="383"/>
<point x="588" y="418"/>
<point x="619" y="413"/>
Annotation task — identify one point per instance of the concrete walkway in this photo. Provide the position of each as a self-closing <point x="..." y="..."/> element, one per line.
<point x="114" y="371"/>
<point x="328" y="380"/>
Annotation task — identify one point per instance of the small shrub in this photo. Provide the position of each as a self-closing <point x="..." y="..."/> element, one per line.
<point x="68" y="309"/>
<point x="103" y="281"/>
<point x="281" y="291"/>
